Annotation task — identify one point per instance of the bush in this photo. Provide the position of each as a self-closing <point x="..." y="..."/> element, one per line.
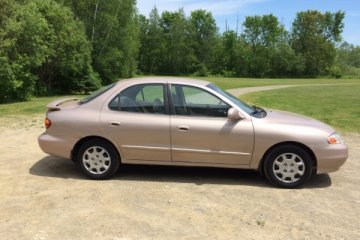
<point x="202" y="72"/>
<point x="335" y="72"/>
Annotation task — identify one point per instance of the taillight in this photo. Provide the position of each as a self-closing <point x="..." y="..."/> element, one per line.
<point x="47" y="123"/>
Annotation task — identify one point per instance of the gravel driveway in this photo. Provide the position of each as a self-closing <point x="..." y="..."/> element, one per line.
<point x="45" y="197"/>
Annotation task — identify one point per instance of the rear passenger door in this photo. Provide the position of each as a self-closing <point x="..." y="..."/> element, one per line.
<point x="137" y="120"/>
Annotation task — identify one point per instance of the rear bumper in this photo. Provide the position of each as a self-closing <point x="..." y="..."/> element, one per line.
<point x="331" y="158"/>
<point x="56" y="145"/>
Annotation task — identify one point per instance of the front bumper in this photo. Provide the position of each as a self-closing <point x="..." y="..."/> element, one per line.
<point x="330" y="158"/>
<point x="56" y="145"/>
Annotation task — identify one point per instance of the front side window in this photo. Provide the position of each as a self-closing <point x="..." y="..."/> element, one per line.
<point x="143" y="98"/>
<point x="244" y="106"/>
<point x="193" y="101"/>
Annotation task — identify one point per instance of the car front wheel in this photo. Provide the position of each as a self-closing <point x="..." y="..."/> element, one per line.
<point x="98" y="159"/>
<point x="288" y="166"/>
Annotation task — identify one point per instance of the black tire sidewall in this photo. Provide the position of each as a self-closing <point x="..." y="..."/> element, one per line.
<point x="114" y="158"/>
<point x="270" y="158"/>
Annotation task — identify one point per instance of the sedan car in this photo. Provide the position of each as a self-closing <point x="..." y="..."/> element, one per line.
<point x="186" y="122"/>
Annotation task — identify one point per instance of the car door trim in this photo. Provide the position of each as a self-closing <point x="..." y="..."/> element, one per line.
<point x="146" y="148"/>
<point x="209" y="151"/>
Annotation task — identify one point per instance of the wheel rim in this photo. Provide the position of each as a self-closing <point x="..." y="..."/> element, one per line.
<point x="96" y="160"/>
<point x="289" y="167"/>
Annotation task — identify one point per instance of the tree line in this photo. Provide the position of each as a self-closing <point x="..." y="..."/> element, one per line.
<point x="64" y="46"/>
<point x="176" y="44"/>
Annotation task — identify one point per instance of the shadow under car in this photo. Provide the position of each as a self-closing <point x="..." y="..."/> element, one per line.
<point x="51" y="166"/>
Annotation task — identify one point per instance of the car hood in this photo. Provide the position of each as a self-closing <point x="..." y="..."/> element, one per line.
<point x="288" y="118"/>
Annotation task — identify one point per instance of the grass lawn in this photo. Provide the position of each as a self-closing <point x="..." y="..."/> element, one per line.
<point x="34" y="106"/>
<point x="339" y="106"/>
<point x="228" y="83"/>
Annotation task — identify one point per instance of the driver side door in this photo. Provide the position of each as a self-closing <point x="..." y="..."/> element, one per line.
<point x="201" y="131"/>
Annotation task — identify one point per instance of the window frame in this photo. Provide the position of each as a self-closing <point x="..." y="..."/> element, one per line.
<point x="165" y="97"/>
<point x="172" y="106"/>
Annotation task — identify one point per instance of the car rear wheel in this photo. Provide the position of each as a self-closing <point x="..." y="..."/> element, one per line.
<point x="288" y="166"/>
<point x="98" y="159"/>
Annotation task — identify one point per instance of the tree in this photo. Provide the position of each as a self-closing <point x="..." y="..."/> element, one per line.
<point x="263" y="31"/>
<point x="203" y="33"/>
<point x="151" y="38"/>
<point x="313" y="36"/>
<point x="348" y="60"/>
<point x="176" y="53"/>
<point x="43" y="48"/>
<point x="264" y="34"/>
<point x="349" y="54"/>
<point x="228" y="55"/>
<point x="285" y="62"/>
<point x="112" y="28"/>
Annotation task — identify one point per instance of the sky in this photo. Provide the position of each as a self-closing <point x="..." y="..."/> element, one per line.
<point x="231" y="10"/>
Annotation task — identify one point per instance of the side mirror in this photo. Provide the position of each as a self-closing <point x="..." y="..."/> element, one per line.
<point x="234" y="114"/>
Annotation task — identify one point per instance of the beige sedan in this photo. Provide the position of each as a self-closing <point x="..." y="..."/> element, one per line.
<point x="184" y="122"/>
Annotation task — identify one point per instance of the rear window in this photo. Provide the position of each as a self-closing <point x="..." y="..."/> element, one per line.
<point x="97" y="93"/>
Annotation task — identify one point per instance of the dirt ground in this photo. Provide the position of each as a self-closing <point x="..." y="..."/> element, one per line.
<point x="45" y="197"/>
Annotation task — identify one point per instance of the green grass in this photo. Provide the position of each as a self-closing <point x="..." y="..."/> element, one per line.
<point x="228" y="83"/>
<point x="338" y="106"/>
<point x="34" y="106"/>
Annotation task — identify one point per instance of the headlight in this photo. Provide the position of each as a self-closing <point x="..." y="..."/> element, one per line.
<point x="334" y="139"/>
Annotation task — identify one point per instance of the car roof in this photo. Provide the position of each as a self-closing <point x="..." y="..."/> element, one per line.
<point x="171" y="80"/>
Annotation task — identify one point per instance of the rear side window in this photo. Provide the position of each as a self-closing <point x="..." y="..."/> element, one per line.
<point x="143" y="98"/>
<point x="97" y="93"/>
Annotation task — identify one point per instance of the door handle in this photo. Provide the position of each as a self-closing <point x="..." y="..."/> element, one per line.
<point x="183" y="128"/>
<point x="114" y="123"/>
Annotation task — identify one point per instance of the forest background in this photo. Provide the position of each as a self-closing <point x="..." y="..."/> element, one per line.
<point x="65" y="46"/>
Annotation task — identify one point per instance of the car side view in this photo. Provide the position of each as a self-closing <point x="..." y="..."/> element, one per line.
<point x="187" y="122"/>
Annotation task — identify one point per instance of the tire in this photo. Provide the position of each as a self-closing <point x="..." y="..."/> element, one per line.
<point x="288" y="166"/>
<point x="98" y="159"/>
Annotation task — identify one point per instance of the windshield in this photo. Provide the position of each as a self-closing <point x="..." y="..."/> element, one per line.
<point x="96" y="93"/>
<point x="244" y="106"/>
